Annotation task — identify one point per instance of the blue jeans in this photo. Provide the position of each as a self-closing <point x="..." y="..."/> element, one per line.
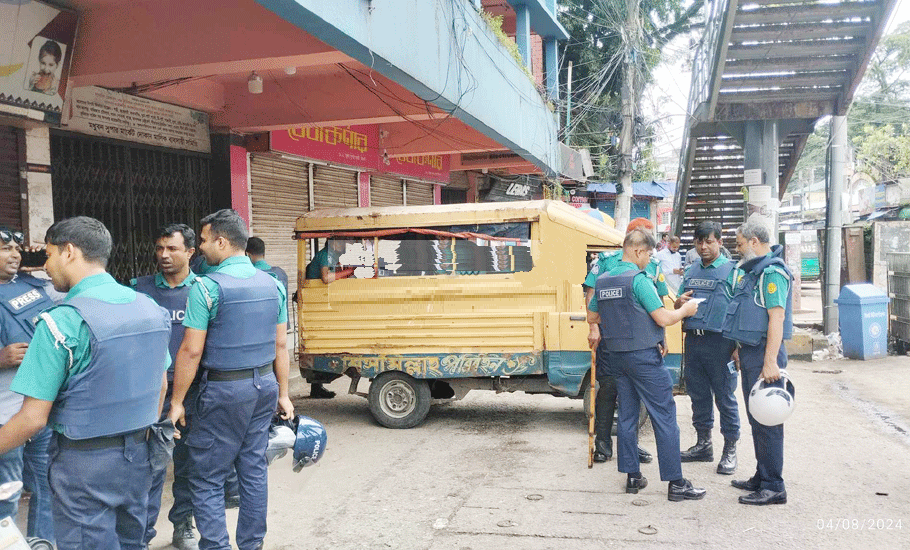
<point x="34" y="477"/>
<point x="10" y="470"/>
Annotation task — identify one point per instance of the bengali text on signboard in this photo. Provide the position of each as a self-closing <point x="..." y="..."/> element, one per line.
<point x="99" y="112"/>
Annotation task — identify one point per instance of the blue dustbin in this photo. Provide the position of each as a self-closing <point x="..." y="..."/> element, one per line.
<point x="863" y="312"/>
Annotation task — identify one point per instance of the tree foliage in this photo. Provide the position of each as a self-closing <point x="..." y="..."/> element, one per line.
<point x="878" y="123"/>
<point x="599" y="44"/>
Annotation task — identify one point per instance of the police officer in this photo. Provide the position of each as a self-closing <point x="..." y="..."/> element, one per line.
<point x="708" y="373"/>
<point x="760" y="318"/>
<point x="324" y="266"/>
<point x="605" y="402"/>
<point x="631" y="316"/>
<point x="23" y="297"/>
<point x="236" y="328"/>
<point x="255" y="250"/>
<point x="95" y="370"/>
<point x="169" y="287"/>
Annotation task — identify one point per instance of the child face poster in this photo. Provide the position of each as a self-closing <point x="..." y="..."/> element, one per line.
<point x="36" y="47"/>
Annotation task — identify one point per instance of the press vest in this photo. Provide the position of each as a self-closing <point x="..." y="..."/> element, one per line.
<point x="242" y="334"/>
<point x="119" y="390"/>
<point x="23" y="299"/>
<point x="624" y="324"/>
<point x="173" y="300"/>
<point x="747" y="321"/>
<point x="708" y="283"/>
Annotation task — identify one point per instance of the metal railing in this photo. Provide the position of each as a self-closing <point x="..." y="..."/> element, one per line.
<point x="705" y="69"/>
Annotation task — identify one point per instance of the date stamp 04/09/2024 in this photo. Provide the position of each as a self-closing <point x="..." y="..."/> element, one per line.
<point x="856" y="524"/>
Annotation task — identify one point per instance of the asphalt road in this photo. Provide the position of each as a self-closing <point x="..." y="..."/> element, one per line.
<point x="510" y="471"/>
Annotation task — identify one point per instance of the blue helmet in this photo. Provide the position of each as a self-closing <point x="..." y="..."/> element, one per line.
<point x="310" y="444"/>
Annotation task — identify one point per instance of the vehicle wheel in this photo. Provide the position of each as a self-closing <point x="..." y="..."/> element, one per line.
<point x="398" y="400"/>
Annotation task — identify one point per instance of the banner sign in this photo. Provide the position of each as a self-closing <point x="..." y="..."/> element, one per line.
<point x="424" y="167"/>
<point x="36" y="46"/>
<point x="357" y="147"/>
<point x="520" y="189"/>
<point x="105" y="113"/>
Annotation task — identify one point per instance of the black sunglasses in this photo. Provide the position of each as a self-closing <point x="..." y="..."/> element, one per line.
<point x="6" y="236"/>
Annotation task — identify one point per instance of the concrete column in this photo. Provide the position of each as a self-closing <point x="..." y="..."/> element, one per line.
<point x="523" y="33"/>
<point x="760" y="151"/>
<point x="551" y="65"/>
<point x="833" y="233"/>
<point x="40" y="198"/>
<point x="770" y="172"/>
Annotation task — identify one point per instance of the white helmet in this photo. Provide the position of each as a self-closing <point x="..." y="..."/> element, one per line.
<point x="771" y="405"/>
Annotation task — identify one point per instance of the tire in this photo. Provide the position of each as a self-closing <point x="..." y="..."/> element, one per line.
<point x="398" y="400"/>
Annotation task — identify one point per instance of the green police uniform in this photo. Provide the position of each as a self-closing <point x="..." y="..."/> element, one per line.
<point x="642" y="288"/>
<point x="607" y="261"/>
<point x="161" y="282"/>
<point x="202" y="303"/>
<point x="323" y="258"/>
<point x="49" y="363"/>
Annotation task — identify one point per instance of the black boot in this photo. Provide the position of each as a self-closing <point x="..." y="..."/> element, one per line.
<point x="727" y="464"/>
<point x="603" y="450"/>
<point x="702" y="451"/>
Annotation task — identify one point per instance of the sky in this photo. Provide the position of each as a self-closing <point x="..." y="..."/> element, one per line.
<point x="667" y="97"/>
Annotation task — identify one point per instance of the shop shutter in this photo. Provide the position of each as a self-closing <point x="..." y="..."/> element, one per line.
<point x="10" y="198"/>
<point x="419" y="193"/>
<point x="385" y="190"/>
<point x="279" y="195"/>
<point x="334" y="187"/>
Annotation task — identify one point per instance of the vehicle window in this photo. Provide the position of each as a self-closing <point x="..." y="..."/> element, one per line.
<point x="452" y="250"/>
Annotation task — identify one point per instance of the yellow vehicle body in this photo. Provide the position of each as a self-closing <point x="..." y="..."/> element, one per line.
<point x="514" y="330"/>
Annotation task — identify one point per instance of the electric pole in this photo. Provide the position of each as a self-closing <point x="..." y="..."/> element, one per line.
<point x="629" y="103"/>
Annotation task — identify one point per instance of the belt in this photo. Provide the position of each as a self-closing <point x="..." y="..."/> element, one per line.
<point x="240" y="374"/>
<point x="103" y="442"/>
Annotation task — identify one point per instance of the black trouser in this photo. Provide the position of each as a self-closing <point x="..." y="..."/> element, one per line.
<point x="605" y="401"/>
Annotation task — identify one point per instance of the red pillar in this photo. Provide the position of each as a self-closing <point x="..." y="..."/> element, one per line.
<point x="240" y="182"/>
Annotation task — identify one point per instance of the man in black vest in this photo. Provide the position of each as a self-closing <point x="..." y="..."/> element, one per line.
<point x="169" y="287"/>
<point x="628" y="311"/>
<point x="236" y="329"/>
<point x="710" y="378"/>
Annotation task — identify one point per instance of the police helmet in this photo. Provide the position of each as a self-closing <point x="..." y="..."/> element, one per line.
<point x="772" y="405"/>
<point x="310" y="443"/>
<point x="281" y="438"/>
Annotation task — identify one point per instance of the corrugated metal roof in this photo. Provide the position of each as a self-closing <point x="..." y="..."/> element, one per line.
<point x="656" y="189"/>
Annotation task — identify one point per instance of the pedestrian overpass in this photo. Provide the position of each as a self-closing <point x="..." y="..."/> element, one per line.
<point x="765" y="72"/>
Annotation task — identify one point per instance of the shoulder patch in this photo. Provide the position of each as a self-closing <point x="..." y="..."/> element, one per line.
<point x="772" y="288"/>
<point x="661" y="278"/>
